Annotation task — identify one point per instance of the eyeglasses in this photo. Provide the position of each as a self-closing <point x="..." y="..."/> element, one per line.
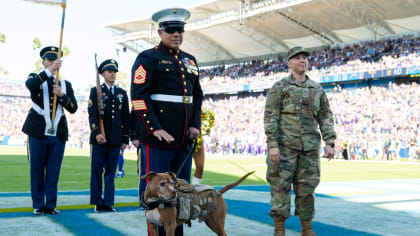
<point x="171" y="30"/>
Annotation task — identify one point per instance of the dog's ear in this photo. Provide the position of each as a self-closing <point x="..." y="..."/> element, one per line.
<point x="149" y="175"/>
<point x="172" y="174"/>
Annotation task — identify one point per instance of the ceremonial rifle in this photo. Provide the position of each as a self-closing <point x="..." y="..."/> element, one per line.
<point x="99" y="101"/>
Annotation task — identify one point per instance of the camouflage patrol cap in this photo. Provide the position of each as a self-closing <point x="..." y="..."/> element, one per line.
<point x="109" y="64"/>
<point x="295" y="51"/>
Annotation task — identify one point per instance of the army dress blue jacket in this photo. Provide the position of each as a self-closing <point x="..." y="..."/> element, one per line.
<point x="165" y="71"/>
<point x="34" y="125"/>
<point x="116" y="117"/>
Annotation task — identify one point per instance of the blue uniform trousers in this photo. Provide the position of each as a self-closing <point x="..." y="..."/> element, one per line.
<point x="103" y="157"/>
<point x="45" y="158"/>
<point x="162" y="160"/>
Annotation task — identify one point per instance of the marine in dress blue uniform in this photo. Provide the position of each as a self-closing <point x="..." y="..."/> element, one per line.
<point x="105" y="150"/>
<point x="46" y="137"/>
<point x="167" y="97"/>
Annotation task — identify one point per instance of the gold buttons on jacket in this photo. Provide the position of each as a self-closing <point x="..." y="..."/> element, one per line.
<point x="113" y="105"/>
<point x="185" y="83"/>
<point x="183" y="76"/>
<point x="167" y="69"/>
<point x="148" y="121"/>
<point x="113" y="111"/>
<point x="144" y="115"/>
<point x="151" y="128"/>
<point x="113" y="117"/>
<point x="185" y="90"/>
<point x="161" y="111"/>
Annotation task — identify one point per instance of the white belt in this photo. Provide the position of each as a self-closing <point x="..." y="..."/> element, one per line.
<point x="172" y="98"/>
<point x="37" y="109"/>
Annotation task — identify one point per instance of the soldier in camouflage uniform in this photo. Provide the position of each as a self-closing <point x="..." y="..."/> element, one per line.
<point x="296" y="106"/>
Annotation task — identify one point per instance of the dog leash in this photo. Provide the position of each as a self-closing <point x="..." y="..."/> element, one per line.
<point x="189" y="154"/>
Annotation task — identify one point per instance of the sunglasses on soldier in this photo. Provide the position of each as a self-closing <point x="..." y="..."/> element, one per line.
<point x="171" y="30"/>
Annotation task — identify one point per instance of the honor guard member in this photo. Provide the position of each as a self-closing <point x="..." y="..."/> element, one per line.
<point x="47" y="137"/>
<point x="106" y="150"/>
<point x="296" y="109"/>
<point x="167" y="97"/>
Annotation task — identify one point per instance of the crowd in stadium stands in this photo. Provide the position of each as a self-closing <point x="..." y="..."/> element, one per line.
<point x="14" y="110"/>
<point x="380" y="122"/>
<point x="238" y="126"/>
<point x="366" y="56"/>
<point x="14" y="88"/>
<point x="380" y="125"/>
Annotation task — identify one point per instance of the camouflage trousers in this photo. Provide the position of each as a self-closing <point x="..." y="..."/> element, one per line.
<point x="302" y="169"/>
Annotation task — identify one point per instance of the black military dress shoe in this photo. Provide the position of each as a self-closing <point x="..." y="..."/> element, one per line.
<point x="38" y="211"/>
<point x="108" y="209"/>
<point x="52" y="211"/>
<point x="98" y="208"/>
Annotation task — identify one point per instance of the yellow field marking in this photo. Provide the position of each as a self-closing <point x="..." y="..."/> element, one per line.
<point x="66" y="207"/>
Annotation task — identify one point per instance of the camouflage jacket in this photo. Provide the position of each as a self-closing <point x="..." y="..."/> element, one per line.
<point x="293" y="112"/>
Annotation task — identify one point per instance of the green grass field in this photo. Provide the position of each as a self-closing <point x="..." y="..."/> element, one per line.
<point x="75" y="170"/>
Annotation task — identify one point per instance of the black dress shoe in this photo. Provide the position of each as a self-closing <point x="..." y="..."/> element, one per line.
<point x="38" y="211"/>
<point x="52" y="211"/>
<point x="108" y="208"/>
<point x="98" y="208"/>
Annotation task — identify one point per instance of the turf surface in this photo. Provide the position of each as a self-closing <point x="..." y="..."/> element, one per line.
<point x="75" y="170"/>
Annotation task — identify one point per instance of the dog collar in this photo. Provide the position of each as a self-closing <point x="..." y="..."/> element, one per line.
<point x="153" y="203"/>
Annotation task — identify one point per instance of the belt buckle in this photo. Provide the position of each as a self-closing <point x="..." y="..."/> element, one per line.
<point x="186" y="99"/>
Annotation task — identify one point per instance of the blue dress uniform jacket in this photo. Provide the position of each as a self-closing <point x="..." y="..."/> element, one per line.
<point x="162" y="70"/>
<point x="116" y="116"/>
<point x="34" y="125"/>
<point x="134" y="126"/>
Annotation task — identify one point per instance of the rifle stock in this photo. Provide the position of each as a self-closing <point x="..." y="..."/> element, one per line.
<point x="99" y="101"/>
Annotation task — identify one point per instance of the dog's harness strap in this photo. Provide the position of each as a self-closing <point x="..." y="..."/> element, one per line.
<point x="195" y="201"/>
<point x="154" y="203"/>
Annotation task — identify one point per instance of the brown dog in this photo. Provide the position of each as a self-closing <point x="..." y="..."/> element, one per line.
<point x="161" y="188"/>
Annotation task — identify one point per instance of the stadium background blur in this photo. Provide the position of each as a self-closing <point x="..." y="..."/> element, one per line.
<point x="372" y="85"/>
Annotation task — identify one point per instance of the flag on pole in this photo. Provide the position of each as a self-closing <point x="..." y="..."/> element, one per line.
<point x="50" y="2"/>
<point x="61" y="3"/>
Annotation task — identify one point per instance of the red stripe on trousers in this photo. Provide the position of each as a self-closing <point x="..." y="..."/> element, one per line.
<point x="147" y="180"/>
<point x="147" y="161"/>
